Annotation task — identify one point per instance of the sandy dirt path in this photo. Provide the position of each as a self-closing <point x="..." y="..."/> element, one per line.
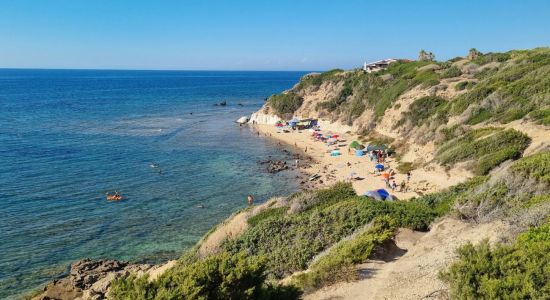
<point x="413" y="273"/>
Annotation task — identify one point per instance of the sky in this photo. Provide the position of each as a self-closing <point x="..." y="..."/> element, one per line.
<point x="258" y="34"/>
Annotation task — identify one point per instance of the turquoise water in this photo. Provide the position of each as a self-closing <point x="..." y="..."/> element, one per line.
<point x="67" y="137"/>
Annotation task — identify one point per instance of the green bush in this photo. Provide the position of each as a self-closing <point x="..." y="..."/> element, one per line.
<point x="423" y="109"/>
<point x="451" y="72"/>
<point x="221" y="276"/>
<point x="517" y="271"/>
<point x="266" y="214"/>
<point x="535" y="166"/>
<point x="285" y="103"/>
<point x="317" y="79"/>
<point x="541" y="116"/>
<point x="487" y="162"/>
<point x="339" y="263"/>
<point x="479" y="116"/>
<point x="289" y="242"/>
<point x="479" y="145"/>
<point x="491" y="57"/>
<point x="464" y="85"/>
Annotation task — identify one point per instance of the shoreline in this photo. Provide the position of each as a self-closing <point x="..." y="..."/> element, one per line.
<point x="340" y="168"/>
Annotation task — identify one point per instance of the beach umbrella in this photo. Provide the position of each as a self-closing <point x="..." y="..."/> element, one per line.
<point x="379" y="166"/>
<point x="386" y="175"/>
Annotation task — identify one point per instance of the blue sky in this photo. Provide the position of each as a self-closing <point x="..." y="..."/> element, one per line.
<point x="260" y="34"/>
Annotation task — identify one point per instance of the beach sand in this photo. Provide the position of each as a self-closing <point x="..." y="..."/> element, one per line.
<point x="338" y="168"/>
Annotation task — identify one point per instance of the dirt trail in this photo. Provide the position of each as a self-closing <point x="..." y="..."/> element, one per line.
<point x="411" y="271"/>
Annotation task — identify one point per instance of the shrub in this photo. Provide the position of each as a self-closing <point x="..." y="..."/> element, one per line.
<point x="423" y="109"/>
<point x="339" y="263"/>
<point x="464" y="85"/>
<point x="317" y="79"/>
<point x="478" y="145"/>
<point x="289" y="242"/>
<point x="491" y="57"/>
<point x="517" y="271"/>
<point x="405" y="167"/>
<point x="489" y="161"/>
<point x="285" y="103"/>
<point x="221" y="276"/>
<point x="541" y="116"/>
<point x="451" y="72"/>
<point x="535" y="166"/>
<point x="267" y="214"/>
<point x="479" y="116"/>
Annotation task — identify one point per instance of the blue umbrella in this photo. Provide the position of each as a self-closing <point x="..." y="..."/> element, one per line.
<point x="379" y="166"/>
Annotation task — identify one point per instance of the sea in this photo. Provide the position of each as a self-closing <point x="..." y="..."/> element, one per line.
<point x="68" y="137"/>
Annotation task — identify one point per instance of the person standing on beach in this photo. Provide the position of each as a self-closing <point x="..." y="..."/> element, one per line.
<point x="409" y="176"/>
<point x="250" y="200"/>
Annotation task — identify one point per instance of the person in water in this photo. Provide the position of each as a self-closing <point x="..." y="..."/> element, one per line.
<point x="250" y="200"/>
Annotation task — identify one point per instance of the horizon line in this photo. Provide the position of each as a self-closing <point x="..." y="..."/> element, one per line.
<point x="168" y="70"/>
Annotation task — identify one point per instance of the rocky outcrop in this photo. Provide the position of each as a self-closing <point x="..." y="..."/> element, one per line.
<point x="275" y="166"/>
<point x="90" y="279"/>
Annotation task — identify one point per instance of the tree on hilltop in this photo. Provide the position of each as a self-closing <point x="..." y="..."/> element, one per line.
<point x="473" y="54"/>
<point x="425" y="56"/>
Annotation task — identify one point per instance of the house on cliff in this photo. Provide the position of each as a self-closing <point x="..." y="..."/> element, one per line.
<point x="378" y="65"/>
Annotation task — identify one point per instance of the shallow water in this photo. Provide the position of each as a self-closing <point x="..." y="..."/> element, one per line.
<point x="67" y="137"/>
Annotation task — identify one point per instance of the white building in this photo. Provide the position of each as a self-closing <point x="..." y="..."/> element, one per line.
<point x="378" y="65"/>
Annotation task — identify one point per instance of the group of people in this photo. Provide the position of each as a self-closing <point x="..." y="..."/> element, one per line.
<point x="403" y="186"/>
<point x="378" y="156"/>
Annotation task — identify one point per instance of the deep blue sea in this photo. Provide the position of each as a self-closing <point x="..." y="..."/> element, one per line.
<point x="69" y="136"/>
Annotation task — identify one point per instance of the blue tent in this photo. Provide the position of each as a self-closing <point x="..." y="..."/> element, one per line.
<point x="293" y="122"/>
<point x="380" y="194"/>
<point x="383" y="193"/>
<point x="379" y="167"/>
<point x="359" y="153"/>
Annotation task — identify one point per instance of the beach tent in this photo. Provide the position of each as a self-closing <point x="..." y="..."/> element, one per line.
<point x="354" y="144"/>
<point x="380" y="194"/>
<point x="384" y="194"/>
<point x="379" y="167"/>
<point x="293" y="122"/>
<point x="359" y="153"/>
<point x="375" y="147"/>
<point x="374" y="195"/>
<point x="335" y="153"/>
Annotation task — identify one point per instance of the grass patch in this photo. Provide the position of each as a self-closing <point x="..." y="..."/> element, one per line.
<point x="451" y="72"/>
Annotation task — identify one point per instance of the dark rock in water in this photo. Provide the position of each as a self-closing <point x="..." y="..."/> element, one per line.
<point x="274" y="166"/>
<point x="224" y="103"/>
<point x="90" y="279"/>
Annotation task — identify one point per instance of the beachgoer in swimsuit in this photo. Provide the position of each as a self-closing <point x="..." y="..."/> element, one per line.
<point x="250" y="200"/>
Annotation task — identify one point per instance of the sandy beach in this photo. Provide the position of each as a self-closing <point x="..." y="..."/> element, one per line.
<point x="340" y="168"/>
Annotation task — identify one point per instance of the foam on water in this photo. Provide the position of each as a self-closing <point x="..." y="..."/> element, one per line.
<point x="67" y="137"/>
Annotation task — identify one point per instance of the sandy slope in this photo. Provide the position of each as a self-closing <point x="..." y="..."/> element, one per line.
<point x="412" y="273"/>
